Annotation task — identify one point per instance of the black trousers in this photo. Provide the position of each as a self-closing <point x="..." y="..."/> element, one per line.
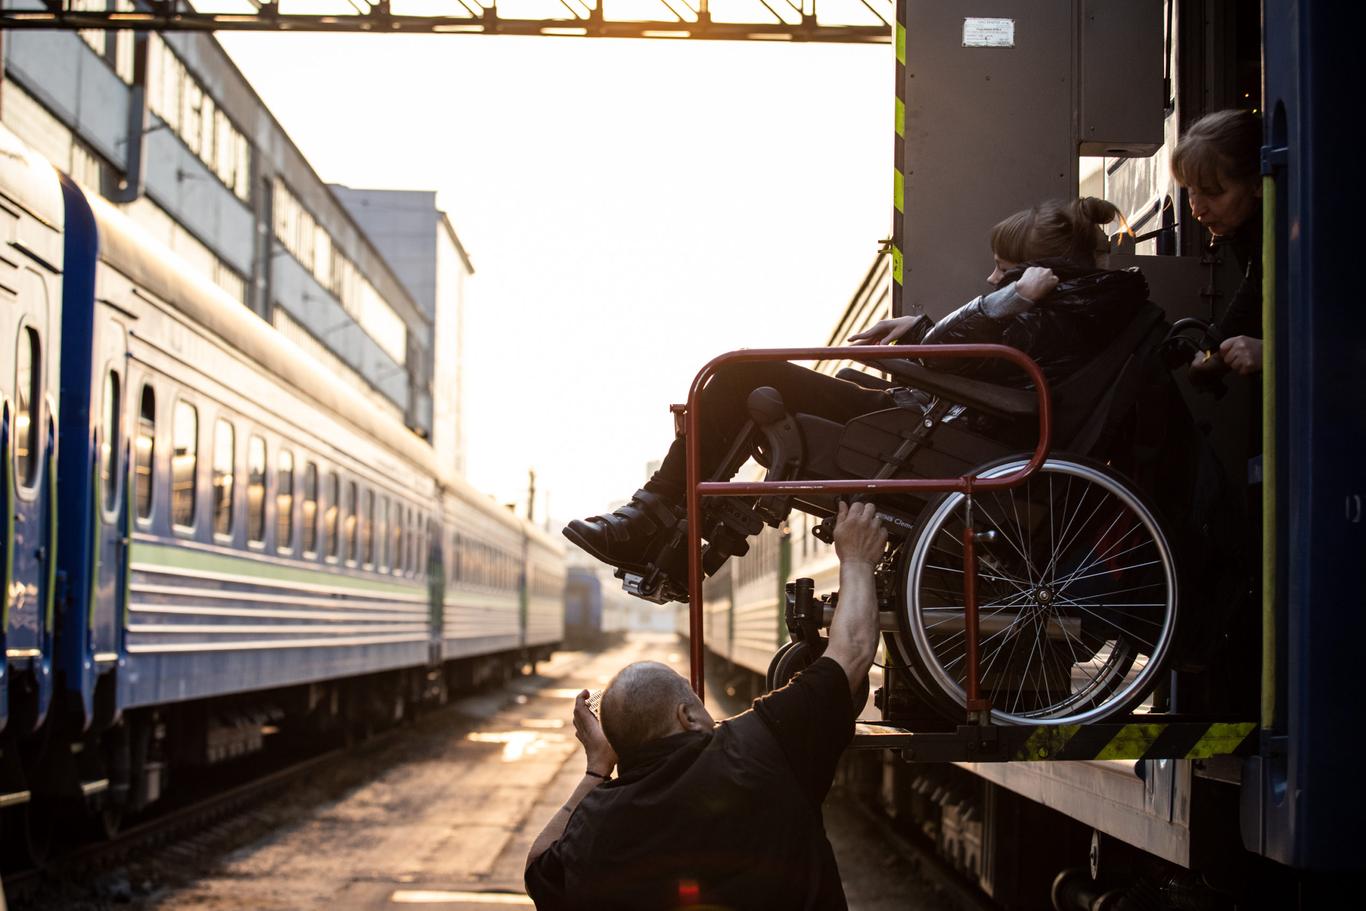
<point x="724" y="412"/>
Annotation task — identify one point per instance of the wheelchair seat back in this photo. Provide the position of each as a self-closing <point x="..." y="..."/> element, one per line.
<point x="1001" y="419"/>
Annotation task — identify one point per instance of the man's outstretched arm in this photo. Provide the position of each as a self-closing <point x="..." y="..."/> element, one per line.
<point x="859" y="542"/>
<point x="601" y="760"/>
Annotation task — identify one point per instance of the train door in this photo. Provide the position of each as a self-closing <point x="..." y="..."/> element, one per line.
<point x="29" y="331"/>
<point x="436" y="589"/>
<point x="111" y="517"/>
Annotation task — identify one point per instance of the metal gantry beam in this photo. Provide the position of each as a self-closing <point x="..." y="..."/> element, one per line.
<point x="858" y="22"/>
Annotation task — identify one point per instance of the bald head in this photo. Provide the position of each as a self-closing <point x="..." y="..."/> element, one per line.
<point x="648" y="700"/>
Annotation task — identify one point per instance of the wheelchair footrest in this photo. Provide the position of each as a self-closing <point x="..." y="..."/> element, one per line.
<point x="1138" y="737"/>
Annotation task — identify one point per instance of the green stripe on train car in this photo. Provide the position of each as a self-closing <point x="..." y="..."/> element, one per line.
<point x="900" y="118"/>
<point x="174" y="557"/>
<point x="900" y="43"/>
<point x="1220" y="739"/>
<point x="1132" y="741"/>
<point x="50" y="594"/>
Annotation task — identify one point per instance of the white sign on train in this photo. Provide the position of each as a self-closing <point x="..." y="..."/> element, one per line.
<point x="980" y="32"/>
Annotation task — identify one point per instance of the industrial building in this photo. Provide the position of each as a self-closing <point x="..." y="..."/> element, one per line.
<point x="167" y="127"/>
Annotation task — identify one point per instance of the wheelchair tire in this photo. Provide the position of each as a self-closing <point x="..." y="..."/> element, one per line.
<point x="1077" y="596"/>
<point x="776" y="663"/>
<point x="795" y="657"/>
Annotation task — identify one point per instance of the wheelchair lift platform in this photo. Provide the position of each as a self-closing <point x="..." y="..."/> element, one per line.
<point x="980" y="737"/>
<point x="1139" y="737"/>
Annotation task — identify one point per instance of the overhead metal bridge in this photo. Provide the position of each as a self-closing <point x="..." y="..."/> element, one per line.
<point x="830" y="21"/>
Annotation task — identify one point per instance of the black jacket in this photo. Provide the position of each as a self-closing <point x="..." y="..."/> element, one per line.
<point x="1062" y="332"/>
<point x="1243" y="315"/>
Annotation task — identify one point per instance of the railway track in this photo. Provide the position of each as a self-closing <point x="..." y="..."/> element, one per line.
<point x="190" y="827"/>
<point x="185" y="834"/>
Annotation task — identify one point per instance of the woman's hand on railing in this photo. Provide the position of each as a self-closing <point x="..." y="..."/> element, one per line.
<point x="883" y="332"/>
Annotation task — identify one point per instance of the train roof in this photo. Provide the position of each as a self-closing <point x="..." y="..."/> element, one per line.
<point x="30" y="184"/>
<point x="132" y="251"/>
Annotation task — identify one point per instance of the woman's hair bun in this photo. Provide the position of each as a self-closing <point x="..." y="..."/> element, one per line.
<point x="1097" y="211"/>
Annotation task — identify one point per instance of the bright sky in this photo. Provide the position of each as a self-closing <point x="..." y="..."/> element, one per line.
<point x="632" y="209"/>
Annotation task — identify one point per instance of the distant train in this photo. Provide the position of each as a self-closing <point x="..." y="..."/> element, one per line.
<point x="596" y="612"/>
<point x="206" y="536"/>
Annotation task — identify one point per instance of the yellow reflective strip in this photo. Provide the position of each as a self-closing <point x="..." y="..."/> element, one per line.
<point x="899" y="191"/>
<point x="1220" y="739"/>
<point x="901" y="44"/>
<point x="1269" y="526"/>
<point x="1132" y="741"/>
<point x="900" y="118"/>
<point x="897" y="265"/>
<point x="1047" y="741"/>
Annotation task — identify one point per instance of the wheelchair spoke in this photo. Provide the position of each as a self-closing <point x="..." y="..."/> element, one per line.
<point x="1068" y="536"/>
<point x="1133" y="636"/>
<point x="1006" y="535"/>
<point x="1104" y="555"/>
<point x="1080" y="614"/>
<point x="1062" y="587"/>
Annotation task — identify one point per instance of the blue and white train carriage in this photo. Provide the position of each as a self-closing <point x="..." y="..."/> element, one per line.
<point x="242" y="537"/>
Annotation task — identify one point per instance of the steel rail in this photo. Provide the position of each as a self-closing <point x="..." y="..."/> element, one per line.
<point x="965" y="484"/>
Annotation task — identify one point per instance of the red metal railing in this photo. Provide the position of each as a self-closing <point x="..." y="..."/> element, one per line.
<point x="967" y="484"/>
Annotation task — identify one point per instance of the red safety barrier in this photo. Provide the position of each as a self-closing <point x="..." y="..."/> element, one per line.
<point x="967" y="484"/>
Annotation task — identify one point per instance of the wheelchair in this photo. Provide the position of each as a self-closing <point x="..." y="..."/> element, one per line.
<point x="1078" y="583"/>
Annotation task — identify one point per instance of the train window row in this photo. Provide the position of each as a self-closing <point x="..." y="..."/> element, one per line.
<point x="337" y="518"/>
<point x="477" y="563"/>
<point x="762" y="559"/>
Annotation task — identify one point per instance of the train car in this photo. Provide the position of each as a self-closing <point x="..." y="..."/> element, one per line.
<point x="503" y="583"/>
<point x="32" y="216"/>
<point x="243" y="540"/>
<point x="596" y="611"/>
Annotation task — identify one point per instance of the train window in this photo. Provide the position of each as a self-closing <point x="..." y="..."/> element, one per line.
<point x="29" y="391"/>
<point x="349" y="521"/>
<point x="284" y="501"/>
<point x="367" y="527"/>
<point x="256" y="489"/>
<point x="144" y="448"/>
<point x="224" y="472"/>
<point x="109" y="442"/>
<point x="397" y="540"/>
<point x="423" y="542"/>
<point x="382" y="535"/>
<point x="333" y="494"/>
<point x="413" y="542"/>
<point x="309" y="509"/>
<point x="184" y="459"/>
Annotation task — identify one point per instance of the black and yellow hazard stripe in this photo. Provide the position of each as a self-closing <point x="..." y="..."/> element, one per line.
<point x="899" y="164"/>
<point x="1174" y="740"/>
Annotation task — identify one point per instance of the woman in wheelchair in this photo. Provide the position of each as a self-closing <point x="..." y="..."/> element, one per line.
<point x="1076" y="579"/>
<point x="1051" y="302"/>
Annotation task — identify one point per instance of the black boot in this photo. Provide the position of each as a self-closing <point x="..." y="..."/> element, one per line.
<point x="628" y="537"/>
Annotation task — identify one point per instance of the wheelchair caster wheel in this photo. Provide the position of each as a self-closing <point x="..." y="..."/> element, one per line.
<point x="795" y="657"/>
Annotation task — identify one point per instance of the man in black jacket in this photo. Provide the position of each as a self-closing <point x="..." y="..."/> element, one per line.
<point x="721" y="815"/>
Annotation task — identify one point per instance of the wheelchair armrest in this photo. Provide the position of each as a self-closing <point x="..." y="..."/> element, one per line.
<point x="1001" y="401"/>
<point x="866" y="380"/>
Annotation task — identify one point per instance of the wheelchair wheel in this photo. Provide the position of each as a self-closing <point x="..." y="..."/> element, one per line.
<point x="795" y="657"/>
<point x="1077" y="596"/>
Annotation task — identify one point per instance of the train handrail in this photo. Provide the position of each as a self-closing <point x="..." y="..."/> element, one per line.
<point x="6" y="523"/>
<point x="965" y="484"/>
